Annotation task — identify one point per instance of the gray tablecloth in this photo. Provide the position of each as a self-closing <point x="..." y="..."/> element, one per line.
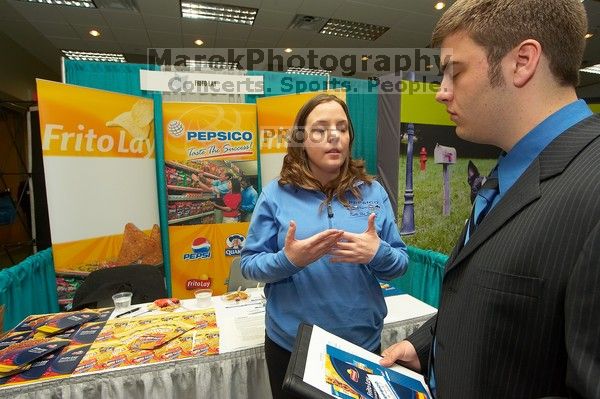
<point x="242" y="374"/>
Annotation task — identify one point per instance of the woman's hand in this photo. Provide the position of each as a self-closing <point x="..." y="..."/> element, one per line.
<point x="357" y="248"/>
<point x="304" y="252"/>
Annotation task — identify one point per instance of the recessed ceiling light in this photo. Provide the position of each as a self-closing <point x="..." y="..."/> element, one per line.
<point x="198" y="42"/>
<point x="439" y="5"/>
<point x="588" y="35"/>
<point x="364" y="58"/>
<point x="288" y="50"/>
<point x="218" y="12"/>
<point x="592" y="69"/>
<point x="307" y="71"/>
<point x="93" y="56"/>
<point x="73" y="3"/>
<point x="94" y="33"/>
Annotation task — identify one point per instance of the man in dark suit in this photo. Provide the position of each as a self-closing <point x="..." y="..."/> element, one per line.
<point x="520" y="303"/>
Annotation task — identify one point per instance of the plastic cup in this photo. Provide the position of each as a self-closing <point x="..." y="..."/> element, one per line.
<point x="203" y="298"/>
<point x="122" y="301"/>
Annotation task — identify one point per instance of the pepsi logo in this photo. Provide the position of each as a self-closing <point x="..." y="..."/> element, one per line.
<point x="200" y="249"/>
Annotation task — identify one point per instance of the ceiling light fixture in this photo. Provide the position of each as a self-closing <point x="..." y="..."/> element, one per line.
<point x="93" y="56"/>
<point x="72" y="3"/>
<point x="288" y="50"/>
<point x="198" y="42"/>
<point x="94" y="33"/>
<point x="439" y="5"/>
<point x="364" y="58"/>
<point x="218" y="12"/>
<point x="354" y="30"/>
<point x="193" y="64"/>
<point x="592" y="69"/>
<point x="588" y="35"/>
<point x="307" y="71"/>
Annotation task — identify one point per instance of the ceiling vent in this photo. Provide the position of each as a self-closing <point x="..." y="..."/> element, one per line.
<point x="308" y="23"/>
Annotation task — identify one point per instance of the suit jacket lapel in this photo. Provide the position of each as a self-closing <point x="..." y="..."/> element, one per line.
<point x="525" y="191"/>
<point x="552" y="161"/>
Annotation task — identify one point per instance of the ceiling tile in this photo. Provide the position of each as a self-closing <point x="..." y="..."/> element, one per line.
<point x="137" y="36"/>
<point x="273" y="19"/>
<point x="296" y="38"/>
<point x="165" y="39"/>
<point x="56" y="30"/>
<point x="39" y="12"/>
<point x="167" y="8"/>
<point x="69" y="44"/>
<point x="265" y="34"/>
<point x="162" y="24"/>
<point x="83" y="16"/>
<point x="123" y="19"/>
<point x="225" y="42"/>
<point x="259" y="44"/>
<point x="376" y="15"/>
<point x="193" y="27"/>
<point x="233" y="30"/>
<point x="8" y="12"/>
<point x="319" y="8"/>
<point x="84" y="33"/>
<point x="281" y="5"/>
<point x="416" y="22"/>
<point x="134" y="49"/>
<point x="104" y="46"/>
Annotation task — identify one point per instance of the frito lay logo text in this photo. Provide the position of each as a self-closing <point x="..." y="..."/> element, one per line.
<point x="200" y="249"/>
<point x="235" y="243"/>
<point x="203" y="282"/>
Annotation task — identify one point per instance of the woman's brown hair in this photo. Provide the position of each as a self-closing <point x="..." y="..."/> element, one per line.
<point x="296" y="170"/>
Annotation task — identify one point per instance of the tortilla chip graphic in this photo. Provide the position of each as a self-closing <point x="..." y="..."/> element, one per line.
<point x="153" y="255"/>
<point x="135" y="244"/>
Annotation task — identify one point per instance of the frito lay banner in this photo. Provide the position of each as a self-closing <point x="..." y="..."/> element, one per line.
<point x="98" y="150"/>
<point x="211" y="175"/>
<point x="276" y="116"/>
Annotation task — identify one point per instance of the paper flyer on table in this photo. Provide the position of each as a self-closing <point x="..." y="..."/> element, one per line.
<point x="345" y="370"/>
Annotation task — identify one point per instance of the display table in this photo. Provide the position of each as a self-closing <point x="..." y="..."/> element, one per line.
<point x="236" y="374"/>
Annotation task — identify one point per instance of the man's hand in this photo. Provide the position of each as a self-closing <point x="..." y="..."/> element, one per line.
<point x="404" y="352"/>
<point x="304" y="252"/>
<point x="357" y="248"/>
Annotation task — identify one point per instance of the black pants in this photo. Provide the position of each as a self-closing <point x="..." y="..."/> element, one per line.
<point x="277" y="363"/>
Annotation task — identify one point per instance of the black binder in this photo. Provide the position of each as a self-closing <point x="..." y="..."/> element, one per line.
<point x="294" y="376"/>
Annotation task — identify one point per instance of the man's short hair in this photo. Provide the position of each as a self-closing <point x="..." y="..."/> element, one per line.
<point x="500" y="25"/>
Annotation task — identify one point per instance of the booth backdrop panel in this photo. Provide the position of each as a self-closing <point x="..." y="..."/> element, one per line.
<point x="28" y="288"/>
<point x="362" y="105"/>
<point x="423" y="279"/>
<point x="125" y="78"/>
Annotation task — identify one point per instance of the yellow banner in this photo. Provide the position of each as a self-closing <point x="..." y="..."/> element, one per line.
<point x="276" y="116"/>
<point x="209" y="131"/>
<point x="100" y="171"/>
<point x="201" y="256"/>
<point x="82" y="122"/>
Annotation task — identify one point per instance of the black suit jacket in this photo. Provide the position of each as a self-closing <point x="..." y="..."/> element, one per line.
<point x="519" y="314"/>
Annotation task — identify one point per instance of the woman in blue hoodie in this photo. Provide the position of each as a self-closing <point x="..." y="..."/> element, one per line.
<point x="320" y="237"/>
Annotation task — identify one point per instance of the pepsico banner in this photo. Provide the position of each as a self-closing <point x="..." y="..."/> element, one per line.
<point x="211" y="178"/>
<point x="99" y="161"/>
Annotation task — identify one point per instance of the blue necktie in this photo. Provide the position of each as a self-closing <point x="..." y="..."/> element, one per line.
<point x="483" y="202"/>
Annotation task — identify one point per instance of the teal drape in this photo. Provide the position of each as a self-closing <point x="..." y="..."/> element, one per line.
<point x="28" y="288"/>
<point x="423" y="279"/>
<point x="125" y="78"/>
<point x="361" y="103"/>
